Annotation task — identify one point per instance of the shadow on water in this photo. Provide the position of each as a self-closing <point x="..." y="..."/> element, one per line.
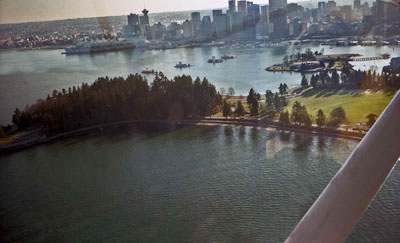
<point x="228" y="132"/>
<point x="242" y="132"/>
<point x="285" y="136"/>
<point x="302" y="142"/>
<point x="254" y="134"/>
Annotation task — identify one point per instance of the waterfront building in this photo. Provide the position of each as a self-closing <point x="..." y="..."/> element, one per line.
<point x="157" y="31"/>
<point x="242" y="7"/>
<point x="232" y="5"/>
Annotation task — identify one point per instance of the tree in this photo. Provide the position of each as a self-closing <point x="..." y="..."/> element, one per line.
<point x="371" y="119"/>
<point x="304" y="81"/>
<point x="231" y="92"/>
<point x="254" y="109"/>
<point x="16" y="117"/>
<point x="284" y="118"/>
<point x="321" y="119"/>
<point x="300" y="115"/>
<point x="282" y="89"/>
<point x="226" y="109"/>
<point x="2" y="133"/>
<point x="269" y="96"/>
<point x="335" y="77"/>
<point x="222" y="91"/>
<point x="239" y="109"/>
<point x="277" y="101"/>
<point x="338" y="116"/>
<point x="314" y="81"/>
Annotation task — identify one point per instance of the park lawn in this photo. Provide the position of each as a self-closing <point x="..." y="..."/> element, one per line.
<point x="357" y="104"/>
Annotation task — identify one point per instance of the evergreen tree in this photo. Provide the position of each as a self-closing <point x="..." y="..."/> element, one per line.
<point x="304" y="81"/>
<point x="239" y="109"/>
<point x="284" y="118"/>
<point x="277" y="101"/>
<point x="226" y="109"/>
<point x="269" y="99"/>
<point x="335" y="77"/>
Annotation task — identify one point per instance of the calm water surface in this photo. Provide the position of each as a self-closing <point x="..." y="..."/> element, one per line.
<point x="178" y="184"/>
<point x="29" y="75"/>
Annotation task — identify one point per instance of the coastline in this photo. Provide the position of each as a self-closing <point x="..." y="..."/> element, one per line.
<point x="41" y="140"/>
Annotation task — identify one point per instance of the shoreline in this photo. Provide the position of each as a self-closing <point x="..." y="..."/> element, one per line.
<point x="41" y="140"/>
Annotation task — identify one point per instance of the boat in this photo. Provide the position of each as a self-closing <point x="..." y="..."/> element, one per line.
<point x="148" y="71"/>
<point x="182" y="65"/>
<point x="225" y="57"/>
<point x="99" y="46"/>
<point x="215" y="60"/>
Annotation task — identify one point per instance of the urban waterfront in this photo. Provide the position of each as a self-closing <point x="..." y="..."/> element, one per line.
<point x="29" y="75"/>
<point x="148" y="183"/>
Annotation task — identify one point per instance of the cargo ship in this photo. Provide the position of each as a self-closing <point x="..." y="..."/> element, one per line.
<point x="99" y="46"/>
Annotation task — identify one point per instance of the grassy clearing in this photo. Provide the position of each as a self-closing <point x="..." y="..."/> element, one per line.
<point x="357" y="104"/>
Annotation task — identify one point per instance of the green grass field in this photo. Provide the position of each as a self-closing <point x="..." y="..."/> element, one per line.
<point x="357" y="104"/>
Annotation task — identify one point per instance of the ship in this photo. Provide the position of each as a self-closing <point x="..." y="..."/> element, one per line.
<point x="99" y="46"/>
<point x="182" y="65"/>
<point x="225" y="57"/>
<point x="148" y="71"/>
<point x="215" y="60"/>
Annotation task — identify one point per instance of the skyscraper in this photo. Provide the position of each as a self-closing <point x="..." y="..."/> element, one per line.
<point x="196" y="23"/>
<point x="277" y="4"/>
<point x="242" y="7"/>
<point x="232" y="5"/>
<point x="357" y="4"/>
<point x="221" y="25"/>
<point x="215" y="13"/>
<point x="133" y="19"/>
<point x="144" y="20"/>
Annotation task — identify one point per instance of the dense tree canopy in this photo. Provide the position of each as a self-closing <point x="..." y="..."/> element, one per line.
<point x="116" y="99"/>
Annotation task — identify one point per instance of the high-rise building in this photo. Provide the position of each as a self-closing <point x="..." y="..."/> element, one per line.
<point x="133" y="19"/>
<point x="232" y="5"/>
<point x="278" y="19"/>
<point x="206" y="26"/>
<point x="188" y="29"/>
<point x="277" y="4"/>
<point x="144" y="20"/>
<point x="215" y="13"/>
<point x="323" y="5"/>
<point x="331" y="6"/>
<point x="237" y="22"/>
<point x="242" y="7"/>
<point x="265" y="13"/>
<point x="254" y="11"/>
<point x="357" y="4"/>
<point x="221" y="26"/>
<point x="196" y="20"/>
<point x="196" y="16"/>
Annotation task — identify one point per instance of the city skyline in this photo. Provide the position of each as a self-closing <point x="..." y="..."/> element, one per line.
<point x="48" y="10"/>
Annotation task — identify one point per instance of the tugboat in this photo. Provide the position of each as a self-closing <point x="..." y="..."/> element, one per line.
<point x="148" y="71"/>
<point x="214" y="60"/>
<point x="225" y="57"/>
<point x="182" y="65"/>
